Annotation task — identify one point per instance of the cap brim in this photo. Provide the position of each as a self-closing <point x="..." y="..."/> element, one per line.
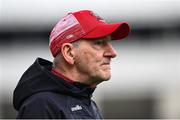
<point x="116" y="30"/>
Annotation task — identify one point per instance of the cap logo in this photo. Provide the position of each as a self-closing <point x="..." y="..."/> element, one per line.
<point x="69" y="36"/>
<point x="97" y="16"/>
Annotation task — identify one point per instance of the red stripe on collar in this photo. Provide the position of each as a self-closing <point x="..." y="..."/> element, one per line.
<point x="57" y="73"/>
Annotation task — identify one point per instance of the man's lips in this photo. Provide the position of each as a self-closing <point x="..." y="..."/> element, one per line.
<point x="106" y="65"/>
<point x="106" y="62"/>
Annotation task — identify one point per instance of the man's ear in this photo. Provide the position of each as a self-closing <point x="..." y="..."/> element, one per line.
<point x="68" y="53"/>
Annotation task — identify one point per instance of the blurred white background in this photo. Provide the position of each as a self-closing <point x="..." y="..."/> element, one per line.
<point x="145" y="79"/>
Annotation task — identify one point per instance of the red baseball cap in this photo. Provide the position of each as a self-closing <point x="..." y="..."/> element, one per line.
<point x="84" y="24"/>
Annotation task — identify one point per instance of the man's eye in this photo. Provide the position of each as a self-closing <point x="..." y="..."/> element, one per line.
<point x="99" y="42"/>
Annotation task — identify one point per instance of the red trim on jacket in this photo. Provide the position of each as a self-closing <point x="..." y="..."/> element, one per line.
<point x="57" y="73"/>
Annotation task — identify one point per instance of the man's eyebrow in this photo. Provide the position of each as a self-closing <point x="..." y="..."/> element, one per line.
<point x="105" y="38"/>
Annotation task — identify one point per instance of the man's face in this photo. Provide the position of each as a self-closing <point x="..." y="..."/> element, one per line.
<point x="92" y="60"/>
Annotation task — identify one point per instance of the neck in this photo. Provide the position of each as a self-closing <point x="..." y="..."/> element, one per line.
<point x="72" y="75"/>
<point x="66" y="75"/>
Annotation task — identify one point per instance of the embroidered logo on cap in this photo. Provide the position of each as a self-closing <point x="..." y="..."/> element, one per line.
<point x="97" y="16"/>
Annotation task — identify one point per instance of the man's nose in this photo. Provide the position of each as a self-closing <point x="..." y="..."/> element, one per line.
<point x="110" y="51"/>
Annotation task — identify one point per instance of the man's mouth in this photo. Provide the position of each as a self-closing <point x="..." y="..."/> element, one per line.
<point x="106" y="65"/>
<point x="106" y="62"/>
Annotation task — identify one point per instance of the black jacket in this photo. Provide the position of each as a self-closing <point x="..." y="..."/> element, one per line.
<point x="41" y="94"/>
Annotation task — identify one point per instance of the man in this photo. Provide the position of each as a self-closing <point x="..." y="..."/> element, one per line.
<point x="82" y="54"/>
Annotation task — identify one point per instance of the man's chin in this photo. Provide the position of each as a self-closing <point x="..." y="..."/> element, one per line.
<point x="106" y="77"/>
<point x="100" y="80"/>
